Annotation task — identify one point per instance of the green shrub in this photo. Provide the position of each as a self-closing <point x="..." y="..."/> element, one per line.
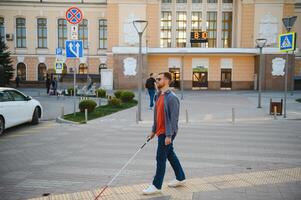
<point x="118" y="93"/>
<point x="114" y="101"/>
<point x="101" y="93"/>
<point x="71" y="91"/>
<point x="127" y="96"/>
<point x="87" y="104"/>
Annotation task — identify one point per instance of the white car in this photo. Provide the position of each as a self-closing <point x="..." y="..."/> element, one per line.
<point x="17" y="108"/>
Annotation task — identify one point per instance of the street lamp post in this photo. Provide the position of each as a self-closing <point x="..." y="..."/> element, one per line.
<point x="260" y="44"/>
<point x="288" y="22"/>
<point x="140" y="26"/>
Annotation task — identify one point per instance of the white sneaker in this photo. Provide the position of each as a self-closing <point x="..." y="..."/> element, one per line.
<point x="176" y="183"/>
<point x="151" y="190"/>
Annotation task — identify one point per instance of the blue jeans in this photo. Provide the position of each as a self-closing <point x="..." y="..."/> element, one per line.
<point x="166" y="152"/>
<point x="151" y="93"/>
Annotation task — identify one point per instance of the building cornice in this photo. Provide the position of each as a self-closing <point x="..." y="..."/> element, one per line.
<point x="199" y="51"/>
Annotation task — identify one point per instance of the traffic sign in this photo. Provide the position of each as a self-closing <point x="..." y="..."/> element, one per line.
<point x="74" y="15"/>
<point x="74" y="49"/>
<point x="59" y="67"/>
<point x="74" y="32"/>
<point x="59" y="51"/>
<point x="287" y="41"/>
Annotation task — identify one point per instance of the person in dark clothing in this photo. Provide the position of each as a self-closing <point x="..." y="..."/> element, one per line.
<point x="54" y="85"/>
<point x="48" y="82"/>
<point x="150" y="85"/>
<point x="17" y="81"/>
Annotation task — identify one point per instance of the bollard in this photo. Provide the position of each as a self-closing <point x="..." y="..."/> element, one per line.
<point x="233" y="115"/>
<point x="187" y="116"/>
<point x="137" y="117"/>
<point x="74" y="108"/>
<point x="275" y="112"/>
<point x="62" y="112"/>
<point x="86" y="115"/>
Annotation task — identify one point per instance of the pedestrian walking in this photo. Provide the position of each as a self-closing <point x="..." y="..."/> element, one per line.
<point x="165" y="127"/>
<point x="150" y="85"/>
<point x="17" y="81"/>
<point x="54" y="85"/>
<point x="48" y="83"/>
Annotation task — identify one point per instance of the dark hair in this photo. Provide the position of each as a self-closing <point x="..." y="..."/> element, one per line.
<point x="167" y="75"/>
<point x="150" y="74"/>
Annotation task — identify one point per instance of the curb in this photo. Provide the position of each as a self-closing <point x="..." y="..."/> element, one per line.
<point x="64" y="121"/>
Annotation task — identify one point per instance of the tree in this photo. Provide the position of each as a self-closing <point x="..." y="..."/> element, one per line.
<point x="7" y="70"/>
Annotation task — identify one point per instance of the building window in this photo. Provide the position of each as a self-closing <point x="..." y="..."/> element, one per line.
<point x="2" y="36"/>
<point x="21" y="71"/>
<point x="181" y="29"/>
<point x="196" y="1"/>
<point x="227" y="29"/>
<point x="166" y="1"/>
<point x="103" y="34"/>
<point x="62" y="32"/>
<point x="42" y="72"/>
<point x="165" y="36"/>
<point x="211" y="29"/>
<point x="83" y="32"/>
<point x="196" y="25"/>
<point x="83" y="69"/>
<point x="21" y="32"/>
<point x="42" y="33"/>
<point x="211" y="1"/>
<point x="181" y="1"/>
<point x="227" y="1"/>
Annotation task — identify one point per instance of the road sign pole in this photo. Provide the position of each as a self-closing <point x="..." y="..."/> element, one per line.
<point x="285" y="85"/>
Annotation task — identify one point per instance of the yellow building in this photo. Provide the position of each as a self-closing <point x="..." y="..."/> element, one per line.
<point x="34" y="29"/>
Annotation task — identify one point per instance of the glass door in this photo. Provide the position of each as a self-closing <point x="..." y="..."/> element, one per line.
<point x="226" y="78"/>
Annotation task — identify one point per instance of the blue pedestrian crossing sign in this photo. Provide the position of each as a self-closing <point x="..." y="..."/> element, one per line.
<point x="287" y="41"/>
<point x="74" y="49"/>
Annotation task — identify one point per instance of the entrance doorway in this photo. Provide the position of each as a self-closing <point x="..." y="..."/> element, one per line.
<point x="175" y="74"/>
<point x="200" y="77"/>
<point x="226" y="75"/>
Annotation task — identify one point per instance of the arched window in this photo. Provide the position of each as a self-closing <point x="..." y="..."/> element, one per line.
<point x="21" y="71"/>
<point x="42" y="72"/>
<point x="83" y="69"/>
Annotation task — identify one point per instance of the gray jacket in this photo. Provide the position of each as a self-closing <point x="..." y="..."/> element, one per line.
<point x="171" y="110"/>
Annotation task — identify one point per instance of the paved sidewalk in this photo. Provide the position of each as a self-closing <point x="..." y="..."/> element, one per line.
<point x="214" y="187"/>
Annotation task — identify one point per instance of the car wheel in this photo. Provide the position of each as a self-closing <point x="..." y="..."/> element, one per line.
<point x="1" y="125"/>
<point x="35" y="116"/>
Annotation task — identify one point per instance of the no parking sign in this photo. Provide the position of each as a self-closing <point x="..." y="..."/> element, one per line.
<point x="74" y="15"/>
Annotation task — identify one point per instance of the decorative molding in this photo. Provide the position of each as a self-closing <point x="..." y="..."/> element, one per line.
<point x="181" y="6"/>
<point x="197" y="7"/>
<point x="226" y="63"/>
<point x="200" y="62"/>
<point x="268" y="29"/>
<point x="212" y="6"/>
<point x="174" y="62"/>
<point x="20" y="59"/>
<point x="130" y="34"/>
<point x="41" y="59"/>
<point x="103" y="59"/>
<point x="278" y="65"/>
<point x="129" y="66"/>
<point x="227" y="6"/>
<point x="166" y="7"/>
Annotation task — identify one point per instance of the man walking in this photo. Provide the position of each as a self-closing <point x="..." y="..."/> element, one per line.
<point x="151" y="87"/>
<point x="166" y="116"/>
